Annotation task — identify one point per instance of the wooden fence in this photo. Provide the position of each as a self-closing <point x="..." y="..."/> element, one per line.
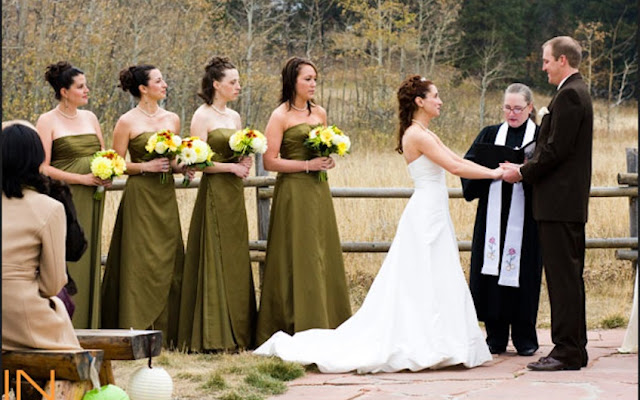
<point x="627" y="247"/>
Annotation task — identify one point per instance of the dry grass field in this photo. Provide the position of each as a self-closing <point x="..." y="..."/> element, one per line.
<point x="373" y="163"/>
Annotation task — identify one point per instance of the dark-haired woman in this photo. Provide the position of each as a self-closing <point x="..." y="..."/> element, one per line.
<point x="304" y="280"/>
<point x="141" y="286"/>
<point x="218" y="304"/>
<point x="33" y="250"/>
<point x="418" y="313"/>
<point x="70" y="137"/>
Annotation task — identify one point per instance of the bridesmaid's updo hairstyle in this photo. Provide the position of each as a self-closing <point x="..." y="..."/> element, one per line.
<point x="22" y="155"/>
<point x="213" y="71"/>
<point x="134" y="76"/>
<point x="60" y="76"/>
<point x="290" y="76"/>
<point x="412" y="87"/>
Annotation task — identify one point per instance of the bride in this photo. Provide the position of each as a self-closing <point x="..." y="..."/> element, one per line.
<point x="418" y="313"/>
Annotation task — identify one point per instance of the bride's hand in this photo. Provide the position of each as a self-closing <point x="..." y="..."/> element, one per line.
<point x="498" y="173"/>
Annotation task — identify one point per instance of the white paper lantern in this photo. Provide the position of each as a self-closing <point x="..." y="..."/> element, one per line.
<point x="150" y="384"/>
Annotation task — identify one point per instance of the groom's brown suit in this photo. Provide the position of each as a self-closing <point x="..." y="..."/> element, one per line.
<point x="560" y="172"/>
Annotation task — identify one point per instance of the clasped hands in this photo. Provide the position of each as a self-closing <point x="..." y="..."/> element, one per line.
<point x="510" y="172"/>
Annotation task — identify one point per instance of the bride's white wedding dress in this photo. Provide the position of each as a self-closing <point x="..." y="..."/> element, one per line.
<point x="418" y="313"/>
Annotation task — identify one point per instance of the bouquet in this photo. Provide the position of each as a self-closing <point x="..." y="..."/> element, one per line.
<point x="327" y="140"/>
<point x="248" y="141"/>
<point x="106" y="164"/>
<point x="196" y="153"/>
<point x="162" y="144"/>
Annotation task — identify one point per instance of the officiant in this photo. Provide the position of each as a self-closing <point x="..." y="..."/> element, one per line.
<point x="506" y="264"/>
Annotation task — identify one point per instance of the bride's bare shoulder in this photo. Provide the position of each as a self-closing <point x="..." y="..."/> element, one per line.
<point x="414" y="134"/>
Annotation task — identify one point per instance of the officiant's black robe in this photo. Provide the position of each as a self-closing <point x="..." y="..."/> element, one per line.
<point x="494" y="302"/>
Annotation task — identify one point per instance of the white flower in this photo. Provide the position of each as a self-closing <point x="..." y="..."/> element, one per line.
<point x="259" y="145"/>
<point x="542" y="112"/>
<point x="347" y="141"/>
<point x="201" y="149"/>
<point x="161" y="147"/>
<point x="177" y="140"/>
<point x="234" y="141"/>
<point x="189" y="155"/>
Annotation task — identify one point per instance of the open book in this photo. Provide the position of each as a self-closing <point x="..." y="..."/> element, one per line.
<point x="491" y="155"/>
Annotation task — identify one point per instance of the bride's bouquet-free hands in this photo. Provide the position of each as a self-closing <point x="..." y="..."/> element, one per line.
<point x="106" y="164"/>
<point x="327" y="140"/>
<point x="248" y="141"/>
<point x="165" y="144"/>
<point x="194" y="153"/>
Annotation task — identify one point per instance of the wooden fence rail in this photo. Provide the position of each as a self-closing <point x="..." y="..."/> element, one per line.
<point x="628" y="246"/>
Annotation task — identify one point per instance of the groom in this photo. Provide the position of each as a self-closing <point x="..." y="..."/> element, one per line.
<point x="560" y="172"/>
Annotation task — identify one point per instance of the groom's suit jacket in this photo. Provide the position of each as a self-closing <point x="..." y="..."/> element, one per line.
<point x="560" y="168"/>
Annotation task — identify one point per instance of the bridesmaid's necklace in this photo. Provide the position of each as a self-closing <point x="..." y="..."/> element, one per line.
<point x="216" y="109"/>
<point x="68" y="116"/>
<point x="298" y="108"/>
<point x="147" y="113"/>
<point x="420" y="124"/>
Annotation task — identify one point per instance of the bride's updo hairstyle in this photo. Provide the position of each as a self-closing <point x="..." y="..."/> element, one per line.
<point x="290" y="76"/>
<point x="213" y="71"/>
<point x="60" y="76"/>
<point x="134" y="76"/>
<point x="412" y="87"/>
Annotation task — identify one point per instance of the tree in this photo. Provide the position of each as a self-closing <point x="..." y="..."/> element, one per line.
<point x="255" y="20"/>
<point x="591" y="36"/>
<point x="493" y="67"/>
<point x="436" y="35"/>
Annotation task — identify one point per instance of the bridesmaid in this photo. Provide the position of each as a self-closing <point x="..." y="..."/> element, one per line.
<point x="141" y="286"/>
<point x="218" y="306"/>
<point x="304" y="281"/>
<point x="70" y="137"/>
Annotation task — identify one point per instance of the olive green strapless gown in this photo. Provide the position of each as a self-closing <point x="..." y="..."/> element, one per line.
<point x="304" y="280"/>
<point x="141" y="285"/>
<point x="73" y="154"/>
<point x="218" y="304"/>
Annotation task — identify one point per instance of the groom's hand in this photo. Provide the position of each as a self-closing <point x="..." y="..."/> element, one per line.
<point x="511" y="172"/>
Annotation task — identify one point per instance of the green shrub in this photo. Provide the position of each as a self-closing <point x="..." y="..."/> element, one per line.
<point x="614" y="321"/>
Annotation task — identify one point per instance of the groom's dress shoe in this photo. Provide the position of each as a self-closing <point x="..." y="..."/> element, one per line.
<point x="496" y="350"/>
<point x="550" y="364"/>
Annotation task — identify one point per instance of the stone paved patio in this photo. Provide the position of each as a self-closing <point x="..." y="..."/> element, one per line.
<point x="609" y="375"/>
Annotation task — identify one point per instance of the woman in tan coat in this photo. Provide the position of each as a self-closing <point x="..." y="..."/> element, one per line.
<point x="33" y="249"/>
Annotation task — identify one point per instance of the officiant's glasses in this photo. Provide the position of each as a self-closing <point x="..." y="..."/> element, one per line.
<point x="515" y="110"/>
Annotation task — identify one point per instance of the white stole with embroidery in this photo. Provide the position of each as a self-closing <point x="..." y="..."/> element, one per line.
<point x="510" y="266"/>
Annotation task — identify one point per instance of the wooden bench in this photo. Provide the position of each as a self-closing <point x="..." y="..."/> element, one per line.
<point x="72" y="371"/>
<point x="120" y="344"/>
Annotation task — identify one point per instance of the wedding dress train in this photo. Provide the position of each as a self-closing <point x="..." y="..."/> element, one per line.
<point x="418" y="313"/>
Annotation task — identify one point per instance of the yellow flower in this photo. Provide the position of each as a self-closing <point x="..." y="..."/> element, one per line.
<point x="326" y="135"/>
<point x="119" y="165"/>
<point x="102" y="167"/>
<point x="151" y="143"/>
<point x="342" y="149"/>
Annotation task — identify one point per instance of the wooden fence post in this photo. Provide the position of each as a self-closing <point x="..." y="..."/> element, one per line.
<point x="263" y="206"/>
<point x="632" y="166"/>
